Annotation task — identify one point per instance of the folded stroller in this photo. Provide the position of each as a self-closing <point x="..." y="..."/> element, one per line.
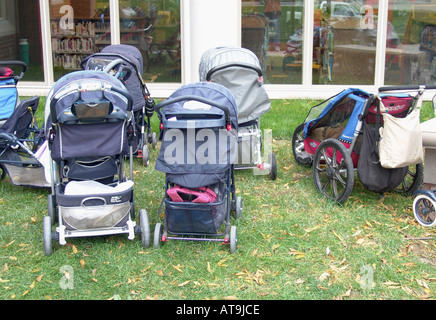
<point x="239" y="70"/>
<point x="340" y="136"/>
<point x="126" y="63"/>
<point x="19" y="133"/>
<point x="199" y="142"/>
<point x="88" y="131"/>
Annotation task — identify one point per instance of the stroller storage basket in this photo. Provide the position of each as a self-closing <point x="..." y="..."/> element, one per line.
<point x="93" y="211"/>
<point x="194" y="218"/>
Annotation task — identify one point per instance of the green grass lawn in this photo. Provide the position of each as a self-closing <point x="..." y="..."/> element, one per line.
<point x="292" y="243"/>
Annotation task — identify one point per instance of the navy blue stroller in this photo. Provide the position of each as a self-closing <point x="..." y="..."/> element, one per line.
<point x="199" y="123"/>
<point x="89" y="115"/>
<point x="19" y="133"/>
<point x="126" y="63"/>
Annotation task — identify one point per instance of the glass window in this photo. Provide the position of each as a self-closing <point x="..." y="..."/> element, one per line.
<point x="78" y="28"/>
<point x="344" y="42"/>
<point x="20" y="37"/>
<point x="153" y="26"/>
<point x="273" y="30"/>
<point x="411" y="43"/>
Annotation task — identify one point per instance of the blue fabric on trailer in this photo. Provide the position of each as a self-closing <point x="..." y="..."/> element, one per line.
<point x="359" y="96"/>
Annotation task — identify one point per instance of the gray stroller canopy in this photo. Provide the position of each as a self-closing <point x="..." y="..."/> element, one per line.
<point x="239" y="70"/>
<point x="132" y="59"/>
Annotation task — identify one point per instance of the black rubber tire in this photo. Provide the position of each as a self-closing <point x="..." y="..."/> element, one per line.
<point x="144" y="224"/>
<point x="412" y="181"/>
<point x="273" y="163"/>
<point x="334" y="180"/>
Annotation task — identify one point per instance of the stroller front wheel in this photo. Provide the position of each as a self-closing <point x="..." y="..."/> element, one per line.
<point x="300" y="155"/>
<point x="158" y="232"/>
<point x="145" y="228"/>
<point x="145" y="155"/>
<point x="412" y="181"/>
<point x="233" y="239"/>
<point x="333" y="171"/>
<point x="47" y="240"/>
<point x="424" y="210"/>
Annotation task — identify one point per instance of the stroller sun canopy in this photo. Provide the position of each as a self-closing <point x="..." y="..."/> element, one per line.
<point x="353" y="104"/>
<point x="239" y="70"/>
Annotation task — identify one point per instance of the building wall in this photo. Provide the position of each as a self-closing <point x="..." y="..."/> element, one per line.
<point x="209" y="23"/>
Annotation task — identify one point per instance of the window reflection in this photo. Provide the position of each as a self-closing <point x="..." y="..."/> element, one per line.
<point x="345" y="42"/>
<point x="413" y="59"/>
<point x="154" y="27"/>
<point x="20" y="37"/>
<point x="78" y="28"/>
<point x="268" y="27"/>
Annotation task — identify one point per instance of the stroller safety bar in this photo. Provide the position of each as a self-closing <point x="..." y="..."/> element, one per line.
<point x="121" y="72"/>
<point x="195" y="98"/>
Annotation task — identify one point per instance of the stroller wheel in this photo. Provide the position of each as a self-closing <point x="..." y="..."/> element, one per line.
<point x="424" y="210"/>
<point x="238" y="207"/>
<point x="2" y="173"/>
<point x="333" y="171"/>
<point x="300" y="155"/>
<point x="233" y="239"/>
<point x="412" y="180"/>
<point x="51" y="208"/>
<point x="145" y="228"/>
<point x="153" y="140"/>
<point x="158" y="231"/>
<point x="145" y="155"/>
<point x="273" y="163"/>
<point x="47" y="236"/>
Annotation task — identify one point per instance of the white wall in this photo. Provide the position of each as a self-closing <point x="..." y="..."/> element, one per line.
<point x="207" y="24"/>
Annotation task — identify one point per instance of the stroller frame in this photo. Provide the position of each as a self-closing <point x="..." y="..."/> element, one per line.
<point x="123" y="67"/>
<point x="338" y="168"/>
<point x="58" y="202"/>
<point x="163" y="232"/>
<point x="19" y="133"/>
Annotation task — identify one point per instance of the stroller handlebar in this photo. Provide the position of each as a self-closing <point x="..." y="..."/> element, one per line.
<point x="162" y="104"/>
<point x="408" y="87"/>
<point x="22" y="64"/>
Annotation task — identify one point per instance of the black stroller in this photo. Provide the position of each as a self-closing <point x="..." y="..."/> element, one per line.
<point x="19" y="133"/>
<point x="125" y="62"/>
<point x="199" y="145"/>
<point x="87" y="129"/>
